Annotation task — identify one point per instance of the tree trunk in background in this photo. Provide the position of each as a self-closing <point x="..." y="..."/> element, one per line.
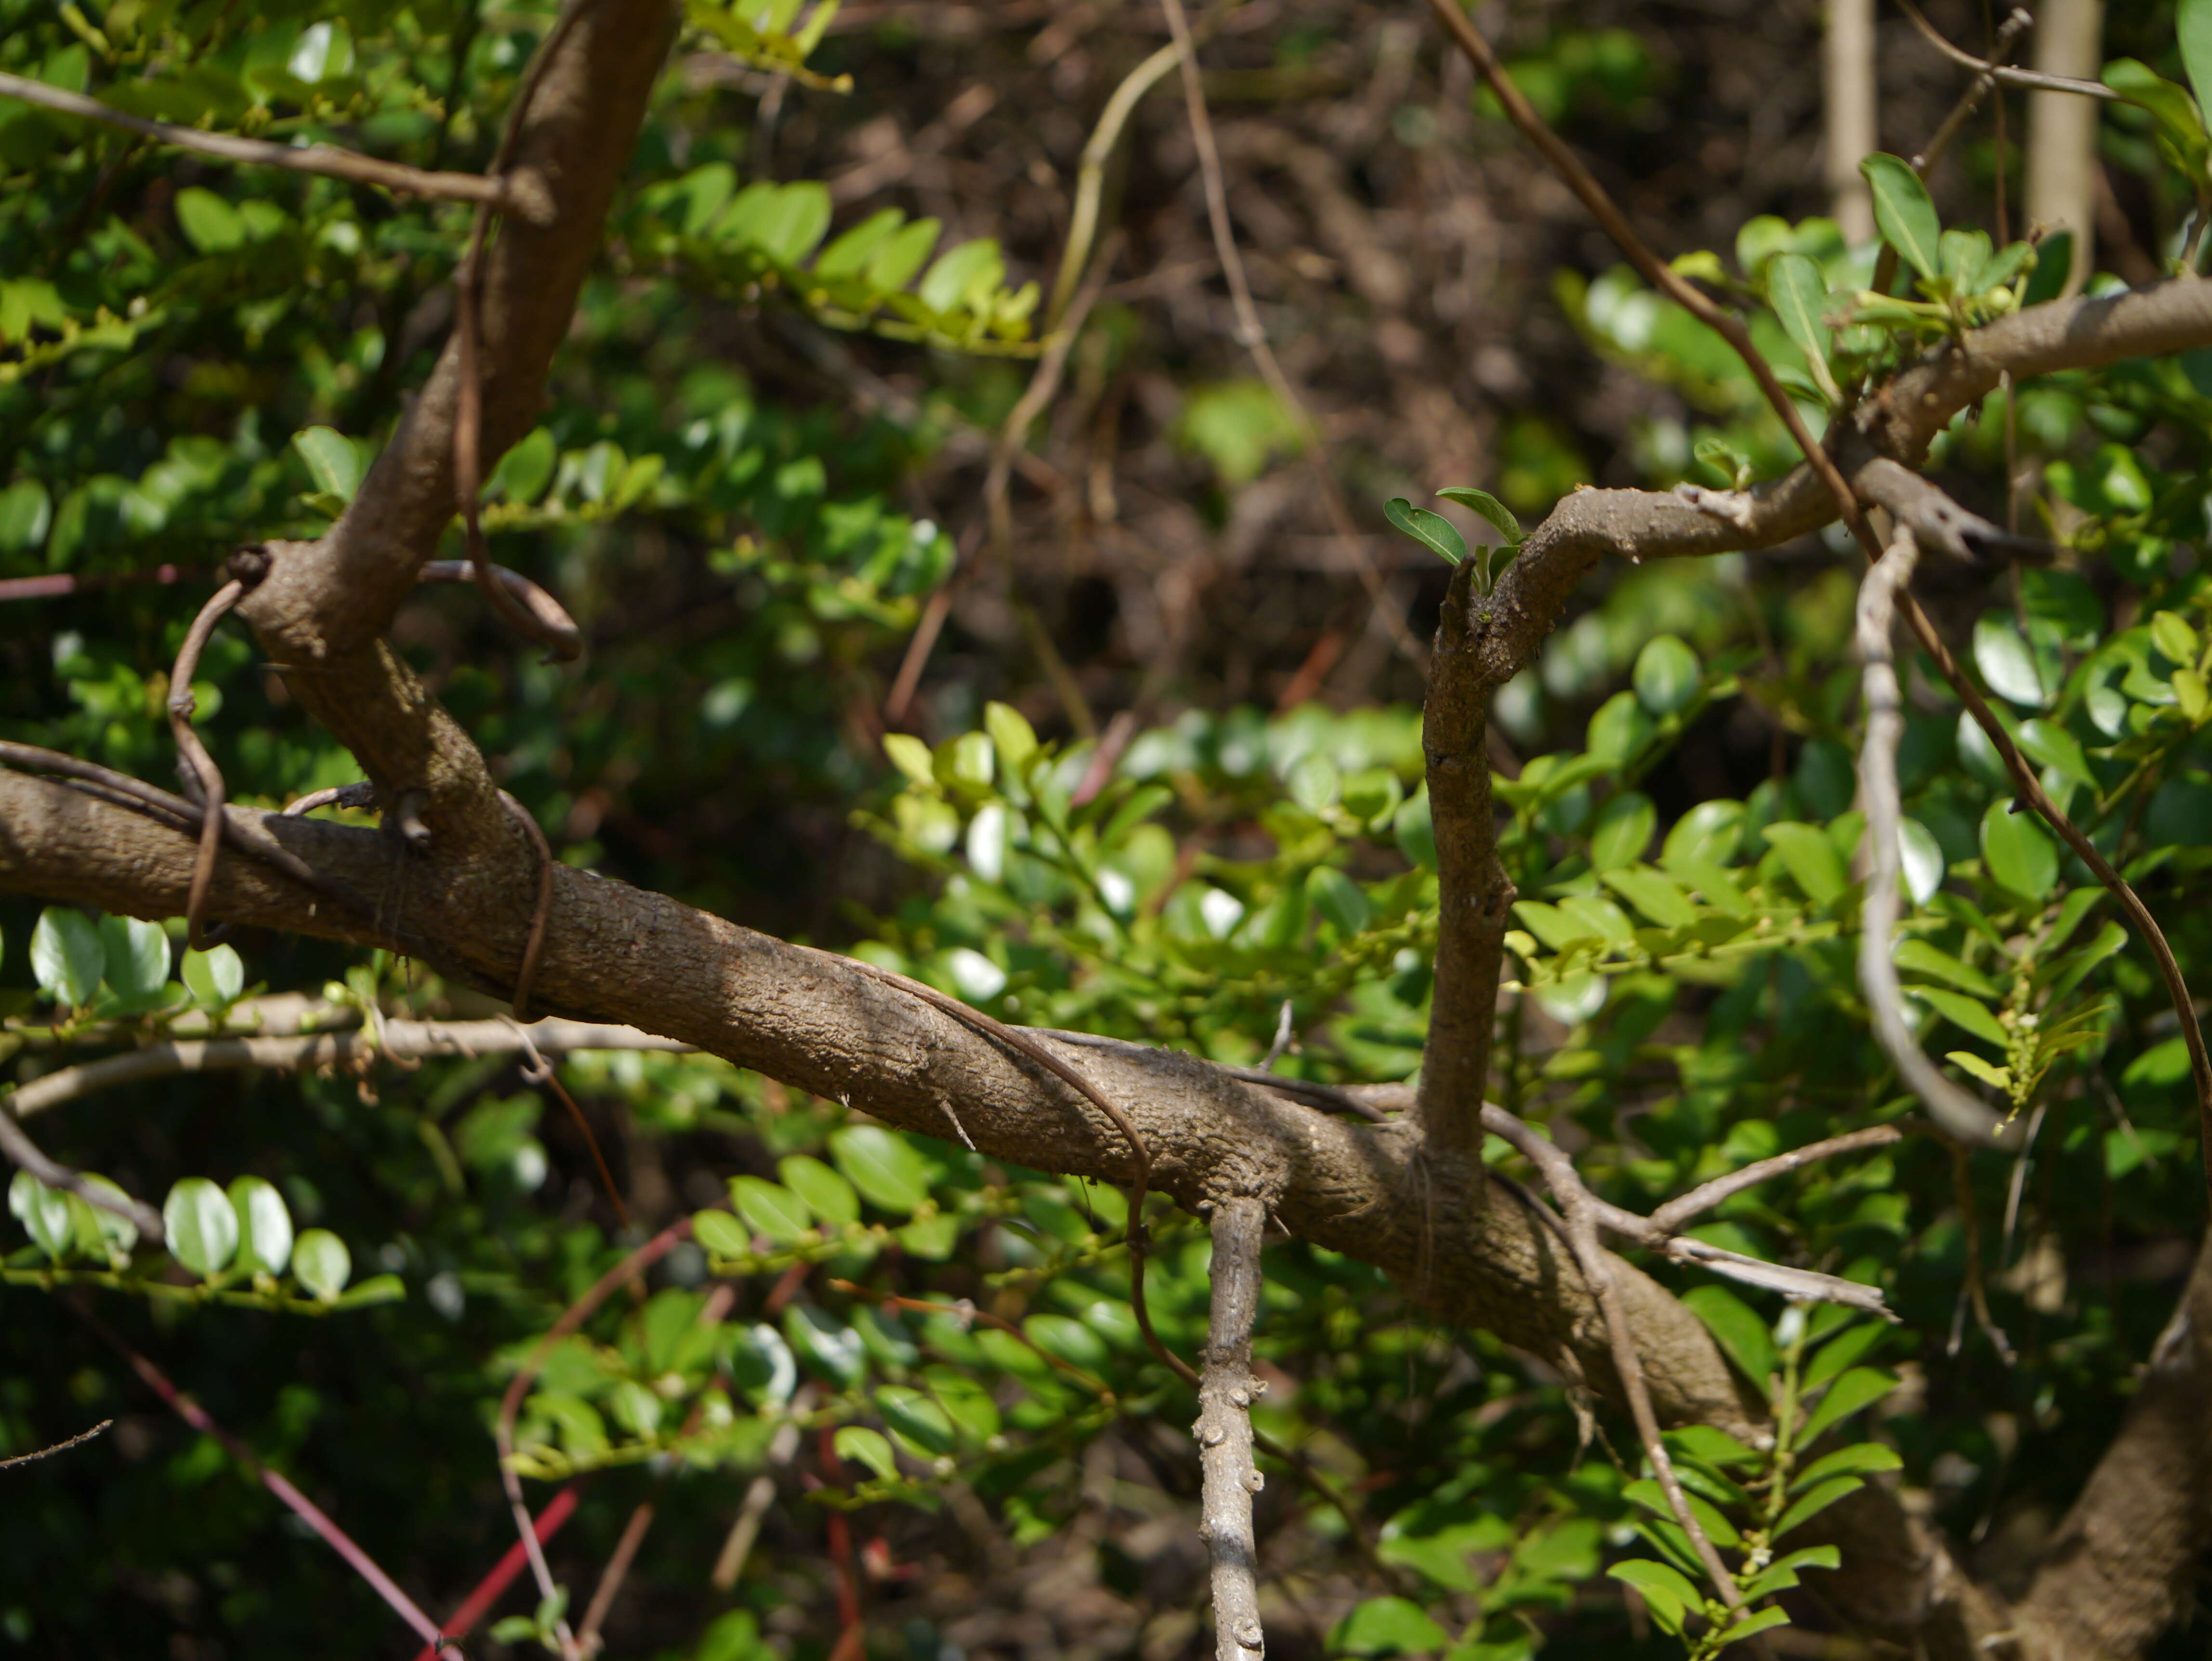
<point x="2062" y="128"/>
<point x="1847" y="91"/>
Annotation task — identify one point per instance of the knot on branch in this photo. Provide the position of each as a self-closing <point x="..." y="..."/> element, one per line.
<point x="249" y="565"/>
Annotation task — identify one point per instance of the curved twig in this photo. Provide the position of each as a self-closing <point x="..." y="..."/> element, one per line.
<point x="203" y="779"/>
<point x="550" y="625"/>
<point x="2003" y="74"/>
<point x="1950" y="1106"/>
<point x="538" y="1070"/>
<point x="534" y="947"/>
<point x="26" y="1153"/>
<point x="63" y="1446"/>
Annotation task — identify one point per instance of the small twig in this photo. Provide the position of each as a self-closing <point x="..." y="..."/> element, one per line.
<point x="1947" y="1104"/>
<point x="1253" y="338"/>
<point x="1581" y="1207"/>
<point x="1973" y="1291"/>
<point x="2002" y="73"/>
<point x="550" y="625"/>
<point x="332" y="1048"/>
<point x="533" y="944"/>
<point x="1673" y="1216"/>
<point x="1224" y="1429"/>
<point x="1090" y="175"/>
<point x="1984" y="82"/>
<point x="360" y="794"/>
<point x="610" y="1582"/>
<point x="525" y="196"/>
<point x="760" y="1494"/>
<point x="298" y="1503"/>
<point x="203" y="779"/>
<point x="27" y="1154"/>
<point x="510" y="1404"/>
<point x="78" y="1440"/>
<point x="538" y="1070"/>
<point x="488" y="1591"/>
<point x="1285" y="1035"/>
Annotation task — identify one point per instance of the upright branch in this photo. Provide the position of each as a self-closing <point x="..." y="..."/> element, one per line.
<point x="1950" y="1106"/>
<point x="1225" y="1391"/>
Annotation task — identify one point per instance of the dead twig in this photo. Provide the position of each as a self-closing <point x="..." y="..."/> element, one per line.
<point x="78" y="1440"/>
<point x="611" y="1581"/>
<point x="1581" y="1209"/>
<point x="1951" y="1107"/>
<point x="541" y="909"/>
<point x="1226" y="1394"/>
<point x="526" y="195"/>
<point x="2002" y="73"/>
<point x="17" y="1144"/>
<point x="1253" y="338"/>
<point x="538" y="1070"/>
<point x="296" y="1502"/>
<point x="488" y="1591"/>
<point x="760" y="1494"/>
<point x="203" y="779"/>
<point x="510" y="1404"/>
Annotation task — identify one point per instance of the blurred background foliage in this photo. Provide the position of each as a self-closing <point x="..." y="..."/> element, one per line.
<point x="1159" y="779"/>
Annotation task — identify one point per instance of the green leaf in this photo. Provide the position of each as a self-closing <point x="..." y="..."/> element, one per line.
<point x="138" y="953"/>
<point x="868" y="1447"/>
<point x="1648" y="1576"/>
<point x="2173" y="637"/>
<point x="963" y="274"/>
<point x="2193" y="22"/>
<point x="1800" y="296"/>
<point x="1433" y="531"/>
<point x="1012" y="736"/>
<point x="930" y="1238"/>
<point x="888" y="1171"/>
<point x="523" y="473"/>
<point x="1069" y="1339"/>
<point x="1648" y="1494"/>
<point x="1667" y="674"/>
<point x="99" y="1231"/>
<point x="773" y="1211"/>
<point x="2006" y="662"/>
<point x="264" y="1225"/>
<point x="1859" y="1388"/>
<point x="43" y="1212"/>
<point x="1340" y="901"/>
<point x="913" y="1416"/>
<point x="1764" y="1620"/>
<point x="1920" y="860"/>
<point x="1855" y="1460"/>
<point x="210" y="223"/>
<point x="1387" y="1625"/>
<point x="1997" y="1078"/>
<point x="1622" y="831"/>
<point x="2017" y="852"/>
<point x="1812" y="861"/>
<point x="1813" y="1501"/>
<point x="1782" y="1574"/>
<point x="893" y="264"/>
<point x="1714" y="1447"/>
<point x="1416" y="832"/>
<point x="826" y="1343"/>
<point x="845" y="258"/>
<point x="332" y="461"/>
<point x="1712" y="830"/>
<point x="321" y="1264"/>
<point x="1656" y="896"/>
<point x="1903" y="210"/>
<point x="67" y="957"/>
<point x="1921" y="959"/>
<point x="1499" y="515"/>
<point x="911" y="757"/>
<point x="722" y="1233"/>
<point x="1838" y="1354"/>
<point x="1741" y="1334"/>
<point x="827" y="1194"/>
<point x="26" y="511"/>
<point x="1962" y="1012"/>
<point x="214" y="978"/>
<point x="202" y="1227"/>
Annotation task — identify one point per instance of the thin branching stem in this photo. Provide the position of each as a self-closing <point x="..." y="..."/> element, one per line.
<point x="1225" y="1393"/>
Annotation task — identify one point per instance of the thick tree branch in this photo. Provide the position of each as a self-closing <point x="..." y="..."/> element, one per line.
<point x="1225" y="1392"/>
